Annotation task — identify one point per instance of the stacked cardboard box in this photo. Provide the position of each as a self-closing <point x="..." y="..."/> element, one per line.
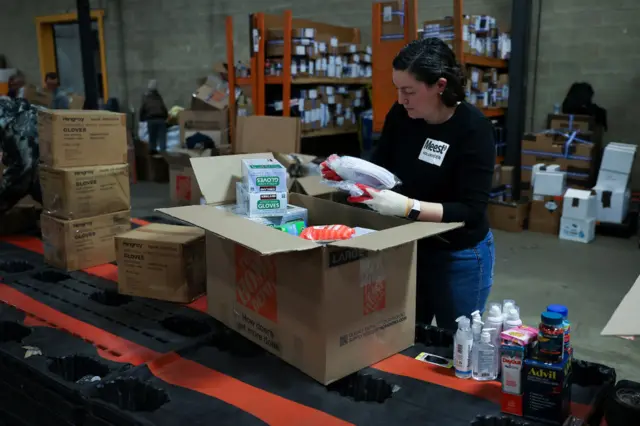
<point x="612" y="187"/>
<point x="480" y="34"/>
<point x="503" y="212"/>
<point x="393" y="18"/>
<point x="549" y="185"/>
<point x="572" y="142"/>
<point x="85" y="186"/>
<point x="317" y="54"/>
<point x="578" y="222"/>
<point x="164" y="262"/>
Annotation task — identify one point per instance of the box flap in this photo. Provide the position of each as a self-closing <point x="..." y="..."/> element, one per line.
<point x="393" y="237"/>
<point x="625" y="320"/>
<point x="217" y="176"/>
<point x="312" y="185"/>
<point x="174" y="234"/>
<point x="264" y="133"/>
<point x="582" y="194"/>
<point x="255" y="236"/>
<point x="288" y="160"/>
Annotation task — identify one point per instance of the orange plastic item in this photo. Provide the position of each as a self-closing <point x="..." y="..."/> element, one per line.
<point x="327" y="233"/>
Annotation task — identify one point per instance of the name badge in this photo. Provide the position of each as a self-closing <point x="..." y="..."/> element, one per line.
<point x="433" y="152"/>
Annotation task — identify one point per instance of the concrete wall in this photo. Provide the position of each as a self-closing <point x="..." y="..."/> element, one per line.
<point x="177" y="41"/>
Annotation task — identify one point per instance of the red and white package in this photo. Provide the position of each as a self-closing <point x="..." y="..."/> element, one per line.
<point x="328" y="233"/>
<point x="346" y="173"/>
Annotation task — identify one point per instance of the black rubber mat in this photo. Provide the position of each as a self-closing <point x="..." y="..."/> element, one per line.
<point x="139" y="398"/>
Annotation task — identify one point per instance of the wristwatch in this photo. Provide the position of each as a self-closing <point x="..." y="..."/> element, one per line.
<point x="415" y="210"/>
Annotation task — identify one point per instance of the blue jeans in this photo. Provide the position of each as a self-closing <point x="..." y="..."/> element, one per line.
<point x="454" y="283"/>
<point x="157" y="128"/>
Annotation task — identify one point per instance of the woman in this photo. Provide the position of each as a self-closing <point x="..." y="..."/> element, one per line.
<point x="154" y="112"/>
<point x="443" y="151"/>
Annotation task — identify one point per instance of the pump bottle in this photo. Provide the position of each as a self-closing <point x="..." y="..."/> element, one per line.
<point x="476" y="326"/>
<point x="512" y="319"/>
<point x="463" y="343"/>
<point x="485" y="365"/>
<point x="494" y="321"/>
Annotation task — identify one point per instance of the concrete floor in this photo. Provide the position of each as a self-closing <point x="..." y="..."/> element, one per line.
<point x="535" y="270"/>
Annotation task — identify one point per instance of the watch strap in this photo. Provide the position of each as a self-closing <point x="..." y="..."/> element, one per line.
<point x="414" y="212"/>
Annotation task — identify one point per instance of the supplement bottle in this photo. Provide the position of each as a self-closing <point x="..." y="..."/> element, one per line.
<point x="550" y="338"/>
<point x="463" y="344"/>
<point x="485" y="359"/>
<point x="564" y="311"/>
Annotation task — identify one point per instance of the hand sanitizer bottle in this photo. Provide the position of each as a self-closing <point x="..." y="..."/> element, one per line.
<point x="476" y="326"/>
<point x="462" y="348"/>
<point x="484" y="362"/>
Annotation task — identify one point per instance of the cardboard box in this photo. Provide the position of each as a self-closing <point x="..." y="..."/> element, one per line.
<point x="545" y="215"/>
<point x="578" y="230"/>
<point x="267" y="134"/>
<point x="211" y="123"/>
<point x="328" y="310"/>
<point x="82" y="243"/>
<point x="612" y="205"/>
<point x="261" y="204"/>
<point x="510" y="217"/>
<point x="213" y="94"/>
<point x="393" y="18"/>
<point x="579" y="204"/>
<point x="183" y="187"/>
<point x="617" y="162"/>
<point x="549" y="180"/>
<point x="547" y="391"/>
<point x="260" y="175"/>
<point x="150" y="168"/>
<point x="293" y="214"/>
<point x="78" y="192"/>
<point x="625" y="320"/>
<point x="37" y="96"/>
<point x="583" y="123"/>
<point x="164" y="262"/>
<point x="82" y="138"/>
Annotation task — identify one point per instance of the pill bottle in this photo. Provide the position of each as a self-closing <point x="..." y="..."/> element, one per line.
<point x="564" y="311"/>
<point x="550" y="338"/>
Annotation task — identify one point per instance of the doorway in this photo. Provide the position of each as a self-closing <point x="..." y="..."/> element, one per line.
<point x="59" y="51"/>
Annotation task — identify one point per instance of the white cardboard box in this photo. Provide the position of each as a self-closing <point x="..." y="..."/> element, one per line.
<point x="613" y="180"/>
<point x="579" y="204"/>
<point x="579" y="230"/>
<point x="618" y="157"/>
<point x="612" y="205"/>
<point x="549" y="181"/>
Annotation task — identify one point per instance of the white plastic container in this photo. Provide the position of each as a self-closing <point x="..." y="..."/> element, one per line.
<point x="494" y="321"/>
<point x="485" y="361"/>
<point x="463" y="344"/>
<point x="512" y="319"/>
<point x="476" y="326"/>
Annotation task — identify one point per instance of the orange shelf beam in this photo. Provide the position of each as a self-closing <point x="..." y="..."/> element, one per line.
<point x="483" y="61"/>
<point x="493" y="112"/>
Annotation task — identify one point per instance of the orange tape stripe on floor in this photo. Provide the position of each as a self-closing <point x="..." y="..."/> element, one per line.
<point x="106" y="342"/>
<point x="139" y="222"/>
<point x="174" y="369"/>
<point x="270" y="408"/>
<point x="406" y="366"/>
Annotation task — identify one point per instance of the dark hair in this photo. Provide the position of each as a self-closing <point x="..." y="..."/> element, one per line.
<point x="430" y="59"/>
<point x="51" y="76"/>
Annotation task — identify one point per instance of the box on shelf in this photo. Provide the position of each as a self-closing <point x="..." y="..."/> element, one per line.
<point x="70" y="138"/>
<point x="393" y="17"/>
<point x="297" y="298"/>
<point x="612" y="204"/>
<point x="78" y="192"/>
<point x="165" y="262"/>
<point x="82" y="243"/>
<point x="545" y="214"/>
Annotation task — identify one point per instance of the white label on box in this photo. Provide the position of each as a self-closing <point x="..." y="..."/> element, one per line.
<point x="355" y="58"/>
<point x="334" y="42"/>
<point x="322" y="47"/>
<point x="300" y="50"/>
<point x="313" y="94"/>
<point x="303" y="67"/>
<point x="387" y="13"/>
<point x="331" y="100"/>
<point x="357" y="103"/>
<point x="294" y="68"/>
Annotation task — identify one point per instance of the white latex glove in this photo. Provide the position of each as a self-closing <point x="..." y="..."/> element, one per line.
<point x="385" y="202"/>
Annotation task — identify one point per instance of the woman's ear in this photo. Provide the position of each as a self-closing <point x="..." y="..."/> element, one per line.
<point x="441" y="84"/>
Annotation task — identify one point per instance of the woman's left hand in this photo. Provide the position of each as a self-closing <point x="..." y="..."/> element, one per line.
<point x="384" y="201"/>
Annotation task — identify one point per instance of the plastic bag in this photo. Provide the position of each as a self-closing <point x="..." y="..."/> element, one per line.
<point x="345" y="172"/>
<point x="327" y="233"/>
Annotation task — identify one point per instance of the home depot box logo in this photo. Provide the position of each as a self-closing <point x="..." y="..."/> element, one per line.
<point x="256" y="283"/>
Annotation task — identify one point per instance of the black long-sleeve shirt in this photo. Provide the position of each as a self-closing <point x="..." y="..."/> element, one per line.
<point x="450" y="163"/>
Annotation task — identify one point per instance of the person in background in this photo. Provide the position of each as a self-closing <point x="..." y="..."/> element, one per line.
<point x="15" y="83"/>
<point x="443" y="150"/>
<point x="154" y="112"/>
<point x="52" y="85"/>
<point x="20" y="153"/>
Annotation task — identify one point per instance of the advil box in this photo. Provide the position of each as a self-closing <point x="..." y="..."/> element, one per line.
<point x="329" y="310"/>
<point x="547" y="391"/>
